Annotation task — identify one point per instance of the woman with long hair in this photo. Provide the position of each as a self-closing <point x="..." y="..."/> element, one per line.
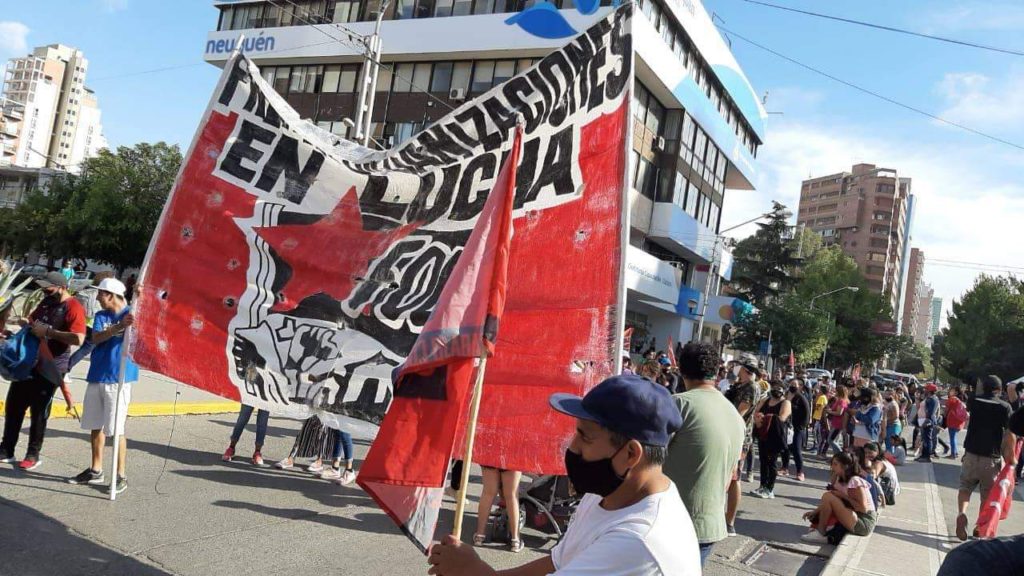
<point x="848" y="501"/>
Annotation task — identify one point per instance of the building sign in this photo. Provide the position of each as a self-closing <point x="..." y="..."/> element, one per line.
<point x="651" y="277"/>
<point x="249" y="45"/>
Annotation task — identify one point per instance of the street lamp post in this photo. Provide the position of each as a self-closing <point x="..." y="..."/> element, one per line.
<point x="828" y="318"/>
<point x="368" y="79"/>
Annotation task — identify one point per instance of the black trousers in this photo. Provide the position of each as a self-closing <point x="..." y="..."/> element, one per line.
<point x="768" y="455"/>
<point x="34" y="395"/>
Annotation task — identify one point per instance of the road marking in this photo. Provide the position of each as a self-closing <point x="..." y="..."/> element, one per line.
<point x="936" y="521"/>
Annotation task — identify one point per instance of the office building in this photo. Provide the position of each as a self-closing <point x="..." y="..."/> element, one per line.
<point x="923" y="320"/>
<point x="50" y="118"/>
<point x="866" y="213"/>
<point x="912" y="298"/>
<point x="697" y="120"/>
<point x="936" y="315"/>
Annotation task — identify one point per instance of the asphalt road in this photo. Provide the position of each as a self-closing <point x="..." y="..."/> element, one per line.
<point x="187" y="513"/>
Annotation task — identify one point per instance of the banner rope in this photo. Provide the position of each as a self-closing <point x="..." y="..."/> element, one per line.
<point x="170" y="438"/>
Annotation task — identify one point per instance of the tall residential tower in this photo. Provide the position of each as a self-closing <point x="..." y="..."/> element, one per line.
<point x="50" y="118"/>
<point x="865" y="212"/>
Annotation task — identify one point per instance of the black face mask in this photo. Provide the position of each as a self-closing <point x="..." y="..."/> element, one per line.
<point x="776" y="393"/>
<point x="52" y="298"/>
<point x="597" y="477"/>
<point x="794" y="390"/>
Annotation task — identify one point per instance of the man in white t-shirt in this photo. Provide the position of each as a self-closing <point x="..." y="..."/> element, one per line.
<point x="631" y="520"/>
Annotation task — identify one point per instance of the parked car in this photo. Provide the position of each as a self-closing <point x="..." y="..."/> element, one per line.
<point x="35" y="271"/>
<point x="815" y="374"/>
<point x="80" y="281"/>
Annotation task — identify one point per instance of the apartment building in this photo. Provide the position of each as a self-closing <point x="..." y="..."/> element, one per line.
<point x="866" y="212"/>
<point x="50" y="118"/>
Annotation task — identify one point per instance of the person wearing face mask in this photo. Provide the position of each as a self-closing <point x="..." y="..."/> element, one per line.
<point x="771" y="418"/>
<point x="702" y="455"/>
<point x="744" y="395"/>
<point x="631" y="519"/>
<point x="801" y="420"/>
<point x="59" y="323"/>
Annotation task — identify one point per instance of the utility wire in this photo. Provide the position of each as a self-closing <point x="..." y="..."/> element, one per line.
<point x="888" y="28"/>
<point x="873" y="93"/>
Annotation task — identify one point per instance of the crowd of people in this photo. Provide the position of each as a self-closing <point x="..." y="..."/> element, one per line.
<point x="658" y="459"/>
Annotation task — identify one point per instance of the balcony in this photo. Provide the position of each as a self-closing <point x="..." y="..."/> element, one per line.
<point x="676" y="230"/>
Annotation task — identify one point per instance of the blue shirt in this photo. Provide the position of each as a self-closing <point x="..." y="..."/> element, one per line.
<point x="106" y="357"/>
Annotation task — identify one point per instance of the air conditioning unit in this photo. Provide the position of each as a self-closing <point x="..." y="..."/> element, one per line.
<point x="457" y="94"/>
<point x="659" y="143"/>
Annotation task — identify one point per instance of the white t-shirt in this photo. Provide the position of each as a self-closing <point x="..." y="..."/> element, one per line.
<point x="724" y="385"/>
<point x="654" y="537"/>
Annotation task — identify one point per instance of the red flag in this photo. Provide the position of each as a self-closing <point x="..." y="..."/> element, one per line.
<point x="671" y="352"/>
<point x="999" y="498"/>
<point x="792" y="361"/>
<point x="406" y="466"/>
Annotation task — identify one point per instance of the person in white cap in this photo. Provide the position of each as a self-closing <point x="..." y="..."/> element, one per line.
<point x="101" y="397"/>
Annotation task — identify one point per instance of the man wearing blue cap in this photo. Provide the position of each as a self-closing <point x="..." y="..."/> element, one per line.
<point x="631" y="520"/>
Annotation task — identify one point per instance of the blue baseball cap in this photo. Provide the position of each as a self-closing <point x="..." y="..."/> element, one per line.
<point x="627" y="404"/>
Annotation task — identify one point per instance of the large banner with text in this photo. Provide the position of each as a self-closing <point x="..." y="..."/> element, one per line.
<point x="292" y="270"/>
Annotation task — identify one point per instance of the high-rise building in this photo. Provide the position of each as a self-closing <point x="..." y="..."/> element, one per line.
<point x="923" y="319"/>
<point x="865" y="212"/>
<point x="914" y="289"/>
<point x="697" y="120"/>
<point x="936" y="315"/>
<point x="50" y="118"/>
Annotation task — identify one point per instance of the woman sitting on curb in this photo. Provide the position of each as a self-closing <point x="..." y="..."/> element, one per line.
<point x="848" y="501"/>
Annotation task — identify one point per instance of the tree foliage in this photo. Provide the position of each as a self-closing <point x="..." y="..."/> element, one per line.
<point x="844" y="320"/>
<point x="764" y="264"/>
<point x="107" y="213"/>
<point x="986" y="330"/>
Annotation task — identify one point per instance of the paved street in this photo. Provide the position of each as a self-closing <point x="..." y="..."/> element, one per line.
<point x="187" y="513"/>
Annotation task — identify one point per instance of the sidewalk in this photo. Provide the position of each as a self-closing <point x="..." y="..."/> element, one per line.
<point x="153" y="395"/>
<point x="910" y="538"/>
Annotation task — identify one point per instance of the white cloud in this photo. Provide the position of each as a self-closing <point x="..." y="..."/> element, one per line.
<point x="968" y="197"/>
<point x="114" y="5"/>
<point x="13" y="42"/>
<point x="13" y="39"/>
<point x="974" y="16"/>
<point x="982" y="103"/>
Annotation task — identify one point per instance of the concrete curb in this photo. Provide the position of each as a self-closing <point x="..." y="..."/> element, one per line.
<point x="847" y="554"/>
<point x="59" y="410"/>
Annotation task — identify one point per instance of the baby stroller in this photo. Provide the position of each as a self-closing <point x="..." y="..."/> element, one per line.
<point x="545" y="504"/>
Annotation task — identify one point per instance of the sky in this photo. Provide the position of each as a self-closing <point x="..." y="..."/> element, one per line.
<point x="969" y="195"/>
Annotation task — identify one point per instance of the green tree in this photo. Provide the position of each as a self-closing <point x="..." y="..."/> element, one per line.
<point x="127" y="190"/>
<point x="764" y="264"/>
<point x="986" y="330"/>
<point x="913" y="358"/>
<point x="107" y="213"/>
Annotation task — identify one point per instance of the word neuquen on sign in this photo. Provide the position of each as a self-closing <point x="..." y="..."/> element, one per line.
<point x="226" y="46"/>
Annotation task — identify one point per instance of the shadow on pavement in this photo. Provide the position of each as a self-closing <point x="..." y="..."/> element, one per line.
<point x="36" y="545"/>
<point x="365" y="522"/>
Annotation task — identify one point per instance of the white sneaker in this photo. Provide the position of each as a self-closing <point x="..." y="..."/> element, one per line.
<point x="347" y="477"/>
<point x="331" y="474"/>
<point x="286" y="464"/>
<point x="814" y="537"/>
<point x="315" y="468"/>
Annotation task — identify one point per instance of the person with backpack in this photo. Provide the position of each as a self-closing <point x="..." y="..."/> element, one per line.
<point x="956" y="418"/>
<point x="59" y="323"/>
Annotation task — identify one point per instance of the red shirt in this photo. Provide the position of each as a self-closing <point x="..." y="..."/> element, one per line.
<point x="66" y="316"/>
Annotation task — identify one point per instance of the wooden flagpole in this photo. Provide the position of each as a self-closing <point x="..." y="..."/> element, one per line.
<point x="122" y="371"/>
<point x="467" y="456"/>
